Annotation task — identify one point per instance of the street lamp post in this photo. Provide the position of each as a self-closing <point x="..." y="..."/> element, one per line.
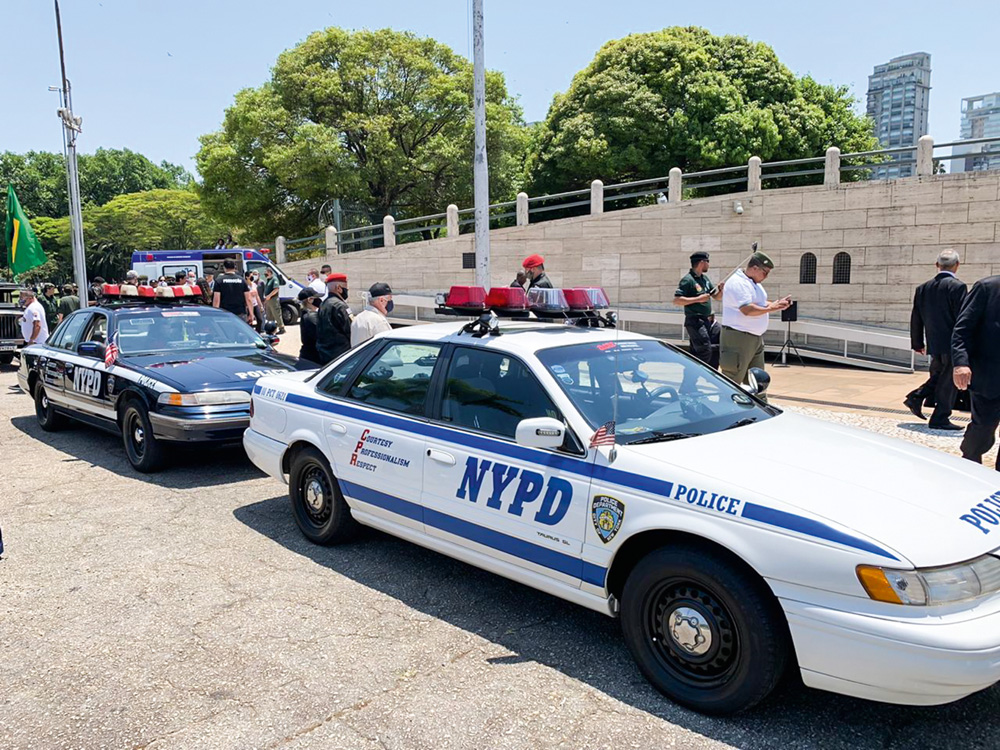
<point x="481" y="179"/>
<point x="72" y="126"/>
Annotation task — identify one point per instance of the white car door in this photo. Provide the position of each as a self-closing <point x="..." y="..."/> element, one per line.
<point x="374" y="429"/>
<point x="523" y="506"/>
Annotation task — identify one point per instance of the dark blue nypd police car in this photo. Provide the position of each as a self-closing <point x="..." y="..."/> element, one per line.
<point x="183" y="373"/>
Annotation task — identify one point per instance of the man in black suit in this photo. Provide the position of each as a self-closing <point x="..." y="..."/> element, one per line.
<point x="976" y="358"/>
<point x="935" y="310"/>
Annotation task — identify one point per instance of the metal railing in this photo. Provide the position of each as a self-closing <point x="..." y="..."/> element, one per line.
<point x="305" y="247"/>
<point x="752" y="177"/>
<point x="844" y="343"/>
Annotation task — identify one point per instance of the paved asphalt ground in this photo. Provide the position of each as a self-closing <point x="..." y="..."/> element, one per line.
<point x="184" y="610"/>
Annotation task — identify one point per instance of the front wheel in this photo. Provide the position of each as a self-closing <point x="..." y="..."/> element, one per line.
<point x="705" y="632"/>
<point x="143" y="449"/>
<point x="320" y="510"/>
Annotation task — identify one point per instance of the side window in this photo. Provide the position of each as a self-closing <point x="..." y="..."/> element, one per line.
<point x="398" y="378"/>
<point x="74" y="326"/>
<point x="334" y="381"/>
<point x="98" y="330"/>
<point x="492" y="392"/>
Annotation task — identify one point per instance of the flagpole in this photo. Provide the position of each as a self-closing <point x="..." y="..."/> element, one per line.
<point x="72" y="126"/>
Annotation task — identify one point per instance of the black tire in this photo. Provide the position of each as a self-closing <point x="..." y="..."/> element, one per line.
<point x="48" y="418"/>
<point x="704" y="631"/>
<point x="142" y="448"/>
<point x="320" y="510"/>
<point x="6" y="358"/>
<point x="289" y="315"/>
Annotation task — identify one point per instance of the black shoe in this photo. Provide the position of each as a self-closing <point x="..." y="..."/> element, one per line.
<point x="946" y="426"/>
<point x="913" y="403"/>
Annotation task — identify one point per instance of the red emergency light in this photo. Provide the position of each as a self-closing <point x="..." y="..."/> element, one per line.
<point x="248" y="255"/>
<point x="466" y="298"/>
<point x="507" y="298"/>
<point x="149" y="257"/>
<point x="587" y="298"/>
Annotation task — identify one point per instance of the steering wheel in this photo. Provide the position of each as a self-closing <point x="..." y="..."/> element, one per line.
<point x="664" y="390"/>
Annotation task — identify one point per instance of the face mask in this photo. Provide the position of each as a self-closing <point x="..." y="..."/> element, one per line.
<point x="388" y="307"/>
<point x="343" y="292"/>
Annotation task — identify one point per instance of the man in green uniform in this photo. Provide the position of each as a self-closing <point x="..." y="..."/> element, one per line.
<point x="695" y="293"/>
<point x="272" y="304"/>
<point x="69" y="302"/>
<point x="51" y="305"/>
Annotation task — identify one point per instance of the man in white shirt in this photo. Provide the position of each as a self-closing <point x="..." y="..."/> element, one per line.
<point x="34" y="329"/>
<point x="372" y="320"/>
<point x="317" y="281"/>
<point x="745" y="308"/>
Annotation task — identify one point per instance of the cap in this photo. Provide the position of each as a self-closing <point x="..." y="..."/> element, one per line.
<point x="698" y="257"/>
<point x="762" y="260"/>
<point x="533" y="260"/>
<point x="379" y="289"/>
<point x="336" y="277"/>
<point x="308" y="292"/>
<point x="28" y="291"/>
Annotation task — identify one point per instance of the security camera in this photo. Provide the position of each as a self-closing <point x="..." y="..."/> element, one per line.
<point x="738" y="208"/>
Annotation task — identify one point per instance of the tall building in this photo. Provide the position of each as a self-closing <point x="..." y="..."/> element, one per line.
<point x="899" y="93"/>
<point x="980" y="119"/>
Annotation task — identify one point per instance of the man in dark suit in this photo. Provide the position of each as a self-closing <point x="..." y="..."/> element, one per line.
<point x="976" y="359"/>
<point x="935" y="310"/>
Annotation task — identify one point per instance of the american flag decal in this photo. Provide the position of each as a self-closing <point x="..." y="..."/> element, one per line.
<point x="111" y="352"/>
<point x="605" y="435"/>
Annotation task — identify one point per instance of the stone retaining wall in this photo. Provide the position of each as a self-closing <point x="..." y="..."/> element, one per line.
<point x="892" y="230"/>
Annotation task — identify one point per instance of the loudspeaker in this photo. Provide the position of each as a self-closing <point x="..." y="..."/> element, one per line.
<point x="791" y="313"/>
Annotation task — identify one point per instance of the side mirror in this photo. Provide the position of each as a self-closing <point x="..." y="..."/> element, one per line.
<point x="759" y="380"/>
<point x="93" y="349"/>
<point x="540" y="432"/>
<point x="270" y="327"/>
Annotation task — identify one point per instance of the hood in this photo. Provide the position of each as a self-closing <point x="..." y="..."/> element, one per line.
<point x="914" y="501"/>
<point x="214" y="371"/>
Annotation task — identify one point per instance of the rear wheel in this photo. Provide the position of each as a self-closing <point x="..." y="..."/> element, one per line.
<point x="48" y="418"/>
<point x="320" y="510"/>
<point x="706" y="633"/>
<point x="143" y="450"/>
<point x="289" y="315"/>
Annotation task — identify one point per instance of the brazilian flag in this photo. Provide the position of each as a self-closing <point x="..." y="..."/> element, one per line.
<point x="24" y="251"/>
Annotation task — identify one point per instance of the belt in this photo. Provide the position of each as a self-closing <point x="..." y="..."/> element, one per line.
<point x="699" y="317"/>
<point x="737" y="330"/>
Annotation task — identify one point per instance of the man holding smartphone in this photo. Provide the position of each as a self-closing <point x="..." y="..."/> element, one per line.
<point x="745" y="308"/>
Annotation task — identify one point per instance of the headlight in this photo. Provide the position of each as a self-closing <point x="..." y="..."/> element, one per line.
<point x="204" y="398"/>
<point x="929" y="586"/>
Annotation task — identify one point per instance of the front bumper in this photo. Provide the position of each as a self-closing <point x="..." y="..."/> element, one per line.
<point x="265" y="453"/>
<point x="913" y="659"/>
<point x="199" y="429"/>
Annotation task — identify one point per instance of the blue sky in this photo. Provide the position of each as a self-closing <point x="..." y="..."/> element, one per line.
<point x="153" y="75"/>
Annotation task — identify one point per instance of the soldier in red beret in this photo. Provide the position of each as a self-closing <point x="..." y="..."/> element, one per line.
<point x="333" y="329"/>
<point x="534" y="267"/>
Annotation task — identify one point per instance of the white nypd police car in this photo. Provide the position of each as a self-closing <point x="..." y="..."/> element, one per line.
<point x="734" y="541"/>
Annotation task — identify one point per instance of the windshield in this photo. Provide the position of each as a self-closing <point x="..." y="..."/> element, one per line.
<point x="186" y="330"/>
<point x="662" y="394"/>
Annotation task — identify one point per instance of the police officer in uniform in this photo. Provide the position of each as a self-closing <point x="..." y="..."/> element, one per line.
<point x="308" y="324"/>
<point x="695" y="293"/>
<point x="534" y="269"/>
<point x="333" y="332"/>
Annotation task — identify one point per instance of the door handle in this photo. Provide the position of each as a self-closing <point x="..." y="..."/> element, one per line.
<point x="441" y="456"/>
<point x="337" y="427"/>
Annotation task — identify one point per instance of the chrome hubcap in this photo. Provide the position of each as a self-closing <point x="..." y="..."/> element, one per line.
<point x="314" y="496"/>
<point x="138" y="435"/>
<point x="690" y="631"/>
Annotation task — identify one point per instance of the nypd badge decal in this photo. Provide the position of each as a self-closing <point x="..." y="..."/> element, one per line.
<point x="607" y="513"/>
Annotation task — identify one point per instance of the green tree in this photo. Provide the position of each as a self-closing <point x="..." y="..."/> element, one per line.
<point x="380" y="118"/>
<point x="39" y="178"/>
<point x="682" y="97"/>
